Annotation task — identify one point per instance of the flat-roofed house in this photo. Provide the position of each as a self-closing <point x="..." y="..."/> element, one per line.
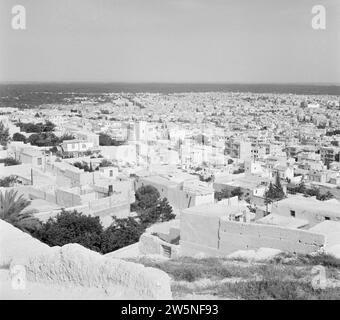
<point x="77" y="146"/>
<point x="181" y="190"/>
<point x="308" y="208"/>
<point x="32" y="156"/>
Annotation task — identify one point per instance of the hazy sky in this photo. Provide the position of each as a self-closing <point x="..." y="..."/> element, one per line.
<point x="170" y="41"/>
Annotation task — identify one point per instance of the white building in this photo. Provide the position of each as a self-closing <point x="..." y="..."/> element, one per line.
<point x="77" y="145"/>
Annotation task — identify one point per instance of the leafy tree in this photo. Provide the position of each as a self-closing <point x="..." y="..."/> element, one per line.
<point x="44" y="139"/>
<point x="313" y="192"/>
<point x="105" y="163"/>
<point x="238" y="171"/>
<point x="223" y="194"/>
<point x="29" y="127"/>
<point x="333" y="133"/>
<point x="160" y="212"/>
<point x="19" y="137"/>
<point x="71" y="227"/>
<point x="302" y="187"/>
<point x="66" y="136"/>
<point x="8" y="181"/>
<point x="275" y="191"/>
<point x="270" y="193"/>
<point x="74" y="227"/>
<point x="84" y="166"/>
<point x="121" y="233"/>
<point x="4" y="135"/>
<point x="269" y="196"/>
<point x="12" y="211"/>
<point x="278" y="188"/>
<point x="205" y="178"/>
<point x="237" y="192"/>
<point x="10" y="162"/>
<point x="325" y="196"/>
<point x="48" y="126"/>
<point x="146" y="197"/>
<point x="165" y="210"/>
<point x="106" y="140"/>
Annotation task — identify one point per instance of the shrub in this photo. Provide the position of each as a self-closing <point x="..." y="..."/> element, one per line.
<point x="223" y="194"/>
<point x="10" y="162"/>
<point x="323" y="259"/>
<point x="121" y="233"/>
<point x="71" y="227"/>
<point x="146" y="197"/>
<point x="44" y="139"/>
<point x="19" y="137"/>
<point x="9" y="181"/>
<point x="29" y="127"/>
<point x="161" y="211"/>
<point x="106" y="140"/>
<point x="4" y="134"/>
<point x="84" y="166"/>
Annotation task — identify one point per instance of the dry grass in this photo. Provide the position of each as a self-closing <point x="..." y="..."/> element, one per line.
<point x="276" y="289"/>
<point x="287" y="277"/>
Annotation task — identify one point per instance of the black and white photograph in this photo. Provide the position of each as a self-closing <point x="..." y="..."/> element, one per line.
<point x="172" y="150"/>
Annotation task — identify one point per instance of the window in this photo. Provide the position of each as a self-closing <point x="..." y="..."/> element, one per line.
<point x="292" y="213"/>
<point x="111" y="173"/>
<point x="39" y="161"/>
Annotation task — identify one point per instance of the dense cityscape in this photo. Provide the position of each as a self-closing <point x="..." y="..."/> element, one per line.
<point x="134" y="175"/>
<point x="169" y="156"/>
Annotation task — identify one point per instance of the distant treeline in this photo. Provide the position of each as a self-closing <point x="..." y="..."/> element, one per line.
<point x="333" y="133"/>
<point x="28" y="96"/>
<point x="29" y="127"/>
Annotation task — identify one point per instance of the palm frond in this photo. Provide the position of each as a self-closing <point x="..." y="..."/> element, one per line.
<point x="12" y="205"/>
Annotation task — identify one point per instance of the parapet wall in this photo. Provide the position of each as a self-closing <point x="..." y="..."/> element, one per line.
<point x="217" y="236"/>
<point x="245" y="236"/>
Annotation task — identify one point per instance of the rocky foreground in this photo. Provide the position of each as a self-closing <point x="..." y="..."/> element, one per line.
<point x="30" y="269"/>
<point x="74" y="272"/>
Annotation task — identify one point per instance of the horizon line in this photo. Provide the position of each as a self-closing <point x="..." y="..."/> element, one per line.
<point x="171" y="83"/>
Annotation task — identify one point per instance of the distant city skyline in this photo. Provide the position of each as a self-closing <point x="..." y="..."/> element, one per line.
<point x="171" y="41"/>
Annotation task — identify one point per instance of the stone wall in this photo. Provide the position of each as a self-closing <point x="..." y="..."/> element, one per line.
<point x="245" y="236"/>
<point x="218" y="236"/>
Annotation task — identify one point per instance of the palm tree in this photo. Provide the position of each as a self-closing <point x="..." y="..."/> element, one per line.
<point x="12" y="211"/>
<point x="4" y="135"/>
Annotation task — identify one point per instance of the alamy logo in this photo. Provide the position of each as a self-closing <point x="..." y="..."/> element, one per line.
<point x="319" y="281"/>
<point x="18" y="277"/>
<point x="19" y="17"/>
<point x="319" y="18"/>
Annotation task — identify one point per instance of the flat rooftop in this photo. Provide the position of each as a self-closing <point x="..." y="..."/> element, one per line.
<point x="247" y="181"/>
<point x="330" y="207"/>
<point x="283" y="221"/>
<point x="217" y="210"/>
